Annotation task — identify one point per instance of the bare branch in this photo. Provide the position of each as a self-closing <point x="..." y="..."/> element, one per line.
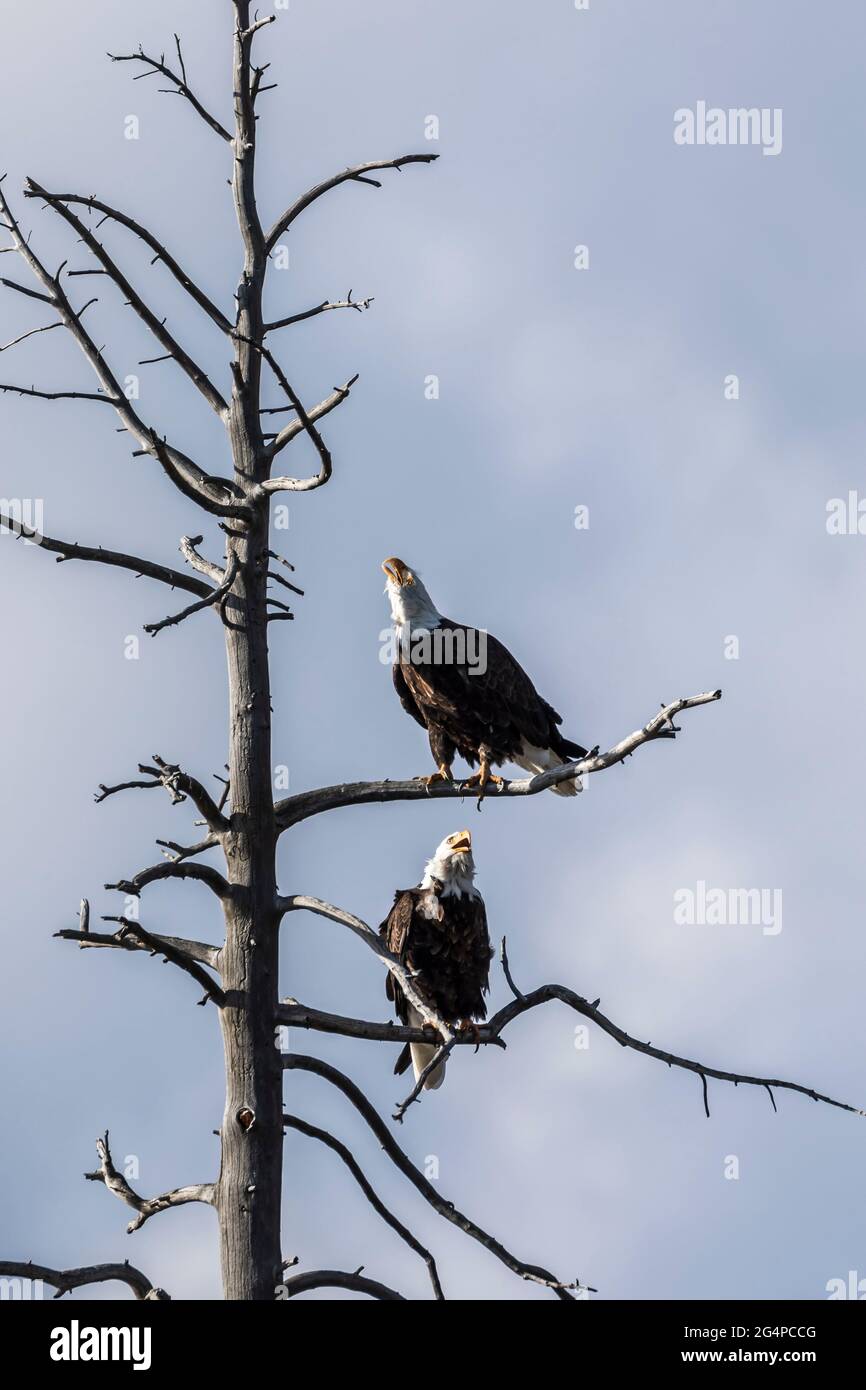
<point x="439" y="1058"/>
<point x="278" y="579"/>
<point x="22" y="338"/>
<point x="181" y="88"/>
<point x="167" y="341"/>
<point x="197" y="562"/>
<point x="313" y="1132"/>
<point x="69" y="550"/>
<point x="103" y="792"/>
<point x="174" y="952"/>
<point x="186" y="475"/>
<point x="60" y="395"/>
<point x="325" y="307"/>
<point x="244" y="190"/>
<point x="305" y="421"/>
<point x="492" y="1030"/>
<point x="285" y="436"/>
<point x="535" y="1273"/>
<point x="151" y="942"/>
<point x="214" y="599"/>
<point x="286" y="484"/>
<point x="506" y="970"/>
<point x="160" y="253"/>
<point x="281" y="560"/>
<point x="64" y="1280"/>
<point x="253" y="28"/>
<point x="357" y="174"/>
<point x="340" y="1279"/>
<point x="202" y="873"/>
<point x="24" y="289"/>
<point x="181" y="785"/>
<point x="292" y="1014"/>
<point x="193" y="482"/>
<point x="297" y="808"/>
<point x="145" y="1206"/>
<point x="179" y="852"/>
<point x="297" y="903"/>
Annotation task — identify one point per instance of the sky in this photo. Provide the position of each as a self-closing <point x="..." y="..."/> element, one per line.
<point x="707" y="562"/>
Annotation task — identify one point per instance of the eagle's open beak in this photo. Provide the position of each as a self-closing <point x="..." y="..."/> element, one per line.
<point x="462" y="843"/>
<point x="396" y="570"/>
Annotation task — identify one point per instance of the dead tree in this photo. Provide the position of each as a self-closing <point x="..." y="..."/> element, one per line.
<point x="239" y="978"/>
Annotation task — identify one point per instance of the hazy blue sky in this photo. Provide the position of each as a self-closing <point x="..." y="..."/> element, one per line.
<point x="558" y="388"/>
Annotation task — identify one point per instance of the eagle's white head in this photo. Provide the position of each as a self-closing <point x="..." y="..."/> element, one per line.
<point x="411" y="605"/>
<point x="453" y="866"/>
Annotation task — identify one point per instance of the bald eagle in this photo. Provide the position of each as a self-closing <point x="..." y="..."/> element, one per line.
<point x="439" y="931"/>
<point x="466" y="689"/>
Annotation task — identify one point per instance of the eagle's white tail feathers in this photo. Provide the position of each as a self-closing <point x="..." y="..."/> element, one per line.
<point x="533" y="759"/>
<point x="423" y="1053"/>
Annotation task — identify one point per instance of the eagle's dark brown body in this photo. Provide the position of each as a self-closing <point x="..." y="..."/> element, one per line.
<point x="495" y="713"/>
<point x="444" y="940"/>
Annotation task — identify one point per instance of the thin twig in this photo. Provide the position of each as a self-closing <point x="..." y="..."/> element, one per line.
<point x="158" y="65"/>
<point x="214" y="597"/>
<point x="324" y="308"/>
<point x="356" y="174"/>
<point x="145" y="1206"/>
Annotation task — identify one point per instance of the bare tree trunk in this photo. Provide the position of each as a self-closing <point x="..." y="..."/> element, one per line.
<point x="250" y="1181"/>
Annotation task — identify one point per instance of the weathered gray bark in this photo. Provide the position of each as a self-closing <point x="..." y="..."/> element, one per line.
<point x="250" y="1182"/>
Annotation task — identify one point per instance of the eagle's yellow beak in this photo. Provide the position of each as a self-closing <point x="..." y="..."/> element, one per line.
<point x="461" y="843"/>
<point x="398" y="571"/>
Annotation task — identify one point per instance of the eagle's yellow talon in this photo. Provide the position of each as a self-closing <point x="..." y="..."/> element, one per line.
<point x="483" y="777"/>
<point x="443" y="775"/>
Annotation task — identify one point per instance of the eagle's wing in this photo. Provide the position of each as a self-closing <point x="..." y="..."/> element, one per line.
<point x="502" y="692"/>
<point x="483" y="949"/>
<point x="407" y="700"/>
<point x="395" y="932"/>
<point x="477" y="954"/>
